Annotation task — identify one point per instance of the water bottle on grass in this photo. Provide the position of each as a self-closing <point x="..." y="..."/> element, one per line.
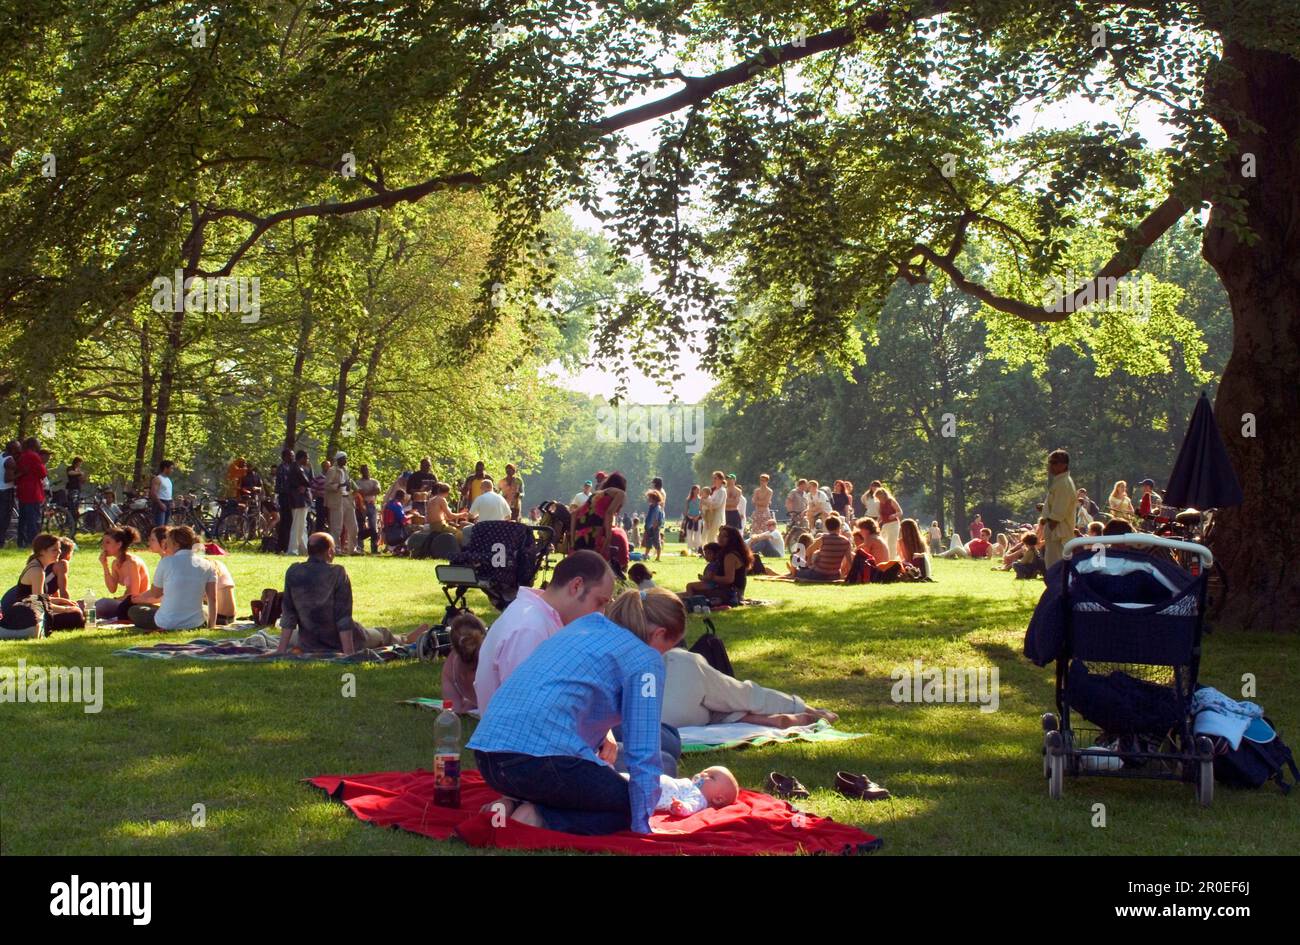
<point x="92" y="619"/>
<point x="446" y="758"/>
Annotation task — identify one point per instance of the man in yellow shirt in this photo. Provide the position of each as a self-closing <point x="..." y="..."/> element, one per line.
<point x="1059" y="507"/>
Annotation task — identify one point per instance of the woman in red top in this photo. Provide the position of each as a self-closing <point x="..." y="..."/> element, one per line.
<point x="891" y="518"/>
<point x="594" y="521"/>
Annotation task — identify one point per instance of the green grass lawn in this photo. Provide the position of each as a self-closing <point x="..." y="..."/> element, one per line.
<point x="238" y="738"/>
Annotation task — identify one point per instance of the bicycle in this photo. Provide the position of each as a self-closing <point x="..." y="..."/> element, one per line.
<point x="101" y="516"/>
<point x="188" y="510"/>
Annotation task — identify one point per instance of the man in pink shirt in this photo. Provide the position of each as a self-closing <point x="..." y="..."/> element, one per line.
<point x="581" y="584"/>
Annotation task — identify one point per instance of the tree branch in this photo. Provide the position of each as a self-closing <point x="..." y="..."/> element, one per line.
<point x="1097" y="289"/>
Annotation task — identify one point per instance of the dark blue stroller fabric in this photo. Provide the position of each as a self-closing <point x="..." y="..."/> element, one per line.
<point x="1120" y="704"/>
<point x="1045" y="635"/>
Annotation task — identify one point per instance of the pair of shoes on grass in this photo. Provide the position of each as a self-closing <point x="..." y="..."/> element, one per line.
<point x="858" y="786"/>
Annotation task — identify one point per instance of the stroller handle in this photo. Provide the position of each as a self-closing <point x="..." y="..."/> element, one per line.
<point x="1140" y="538"/>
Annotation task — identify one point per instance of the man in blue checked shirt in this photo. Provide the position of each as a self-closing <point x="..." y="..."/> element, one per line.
<point x="538" y="739"/>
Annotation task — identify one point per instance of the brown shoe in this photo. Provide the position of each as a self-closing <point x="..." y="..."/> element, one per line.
<point x="859" y="786"/>
<point x="780" y="785"/>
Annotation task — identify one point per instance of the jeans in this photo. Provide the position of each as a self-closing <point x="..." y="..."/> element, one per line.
<point x="29" y="523"/>
<point x="162" y="512"/>
<point x="6" y="513"/>
<point x="74" y="509"/>
<point x="572" y="795"/>
<point x="670" y="749"/>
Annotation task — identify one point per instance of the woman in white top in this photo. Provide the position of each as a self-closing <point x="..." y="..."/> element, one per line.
<point x="714" y="504"/>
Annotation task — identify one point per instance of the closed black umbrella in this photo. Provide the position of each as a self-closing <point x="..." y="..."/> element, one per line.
<point x="1203" y="477"/>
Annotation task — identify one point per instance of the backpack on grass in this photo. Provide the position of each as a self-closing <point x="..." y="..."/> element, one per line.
<point x="1253" y="763"/>
<point x="266" y="609"/>
<point x="712" y="649"/>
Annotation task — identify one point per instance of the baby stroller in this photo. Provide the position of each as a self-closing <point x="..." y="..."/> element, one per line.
<point x="555" y="516"/>
<point x="500" y="557"/>
<point x="1124" y="628"/>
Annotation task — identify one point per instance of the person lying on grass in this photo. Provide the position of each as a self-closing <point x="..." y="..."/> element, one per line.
<point x="537" y="743"/>
<point x="697" y="694"/>
<point x="318" y="605"/>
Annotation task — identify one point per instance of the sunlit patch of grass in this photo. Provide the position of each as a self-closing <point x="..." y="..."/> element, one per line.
<point x="239" y="738"/>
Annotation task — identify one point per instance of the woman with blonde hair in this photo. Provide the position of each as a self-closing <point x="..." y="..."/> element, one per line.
<point x="537" y="744"/>
<point x="714" y="502"/>
<point x="1121" y="506"/>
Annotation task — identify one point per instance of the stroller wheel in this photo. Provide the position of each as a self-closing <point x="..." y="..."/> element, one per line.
<point x="1205" y="784"/>
<point x="1055" y="776"/>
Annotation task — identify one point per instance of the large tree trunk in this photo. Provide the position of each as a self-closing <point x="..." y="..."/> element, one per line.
<point x="341" y="400"/>
<point x="166" y="383"/>
<point x="295" y="382"/>
<point x="938" y="494"/>
<point x="1257" y="543"/>
<point x="146" y="407"/>
<point x="367" y="401"/>
<point x="958" y="492"/>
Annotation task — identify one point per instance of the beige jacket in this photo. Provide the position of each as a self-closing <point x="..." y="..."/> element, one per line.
<point x="1062" y="499"/>
<point x="697" y="694"/>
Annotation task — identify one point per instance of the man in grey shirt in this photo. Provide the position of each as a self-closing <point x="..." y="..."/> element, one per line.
<point x="318" y="604"/>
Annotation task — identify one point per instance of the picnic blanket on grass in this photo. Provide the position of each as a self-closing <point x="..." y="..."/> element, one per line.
<point x="755" y="824"/>
<point x="260" y="647"/>
<point x="744" y="735"/>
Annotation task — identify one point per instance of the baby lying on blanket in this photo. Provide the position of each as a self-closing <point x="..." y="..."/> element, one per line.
<point x="713" y="787"/>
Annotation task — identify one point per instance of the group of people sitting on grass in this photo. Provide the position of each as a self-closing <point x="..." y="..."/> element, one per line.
<point x="186" y="583"/>
<point x="862" y="556"/>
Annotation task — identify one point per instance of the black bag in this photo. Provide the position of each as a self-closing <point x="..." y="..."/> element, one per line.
<point x="711" y="647"/>
<point x="270" y="545"/>
<point x="1253" y="763"/>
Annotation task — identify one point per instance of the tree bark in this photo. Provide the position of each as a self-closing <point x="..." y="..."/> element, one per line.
<point x="1263" y="284"/>
<point x="146" y="407"/>
<point x="295" y="382"/>
<point x="341" y="400"/>
<point x="366" y="404"/>
<point x="938" y="494"/>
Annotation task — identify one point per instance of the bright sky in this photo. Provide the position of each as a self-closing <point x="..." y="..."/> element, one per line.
<point x="596" y="381"/>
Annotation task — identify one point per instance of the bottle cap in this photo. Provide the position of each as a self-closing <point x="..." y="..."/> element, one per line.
<point x="446" y="703"/>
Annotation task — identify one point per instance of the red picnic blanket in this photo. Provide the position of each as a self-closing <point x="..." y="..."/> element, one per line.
<point x="755" y="824"/>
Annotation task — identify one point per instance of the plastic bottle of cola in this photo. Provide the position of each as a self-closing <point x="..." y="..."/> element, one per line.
<point x="446" y="758"/>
